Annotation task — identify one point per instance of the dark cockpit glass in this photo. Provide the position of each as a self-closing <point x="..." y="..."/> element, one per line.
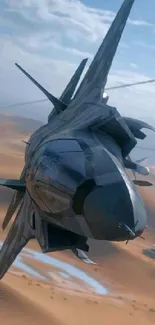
<point x="58" y="175"/>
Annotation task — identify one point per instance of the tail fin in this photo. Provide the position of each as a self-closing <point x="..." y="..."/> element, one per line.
<point x="69" y="90"/>
<point x="18" y="236"/>
<point x="59" y="106"/>
<point x="93" y="84"/>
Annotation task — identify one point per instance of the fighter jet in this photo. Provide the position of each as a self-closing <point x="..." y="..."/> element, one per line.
<point x="74" y="184"/>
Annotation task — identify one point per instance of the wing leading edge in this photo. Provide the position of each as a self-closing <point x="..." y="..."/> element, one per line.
<point x="17" y="197"/>
<point x="18" y="236"/>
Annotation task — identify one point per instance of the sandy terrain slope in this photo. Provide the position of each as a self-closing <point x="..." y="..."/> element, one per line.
<point x="59" y="289"/>
<point x="17" y="310"/>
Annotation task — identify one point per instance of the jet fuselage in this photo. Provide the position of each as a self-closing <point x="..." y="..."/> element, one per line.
<point x="81" y="175"/>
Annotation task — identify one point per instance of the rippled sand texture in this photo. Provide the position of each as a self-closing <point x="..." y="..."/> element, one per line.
<point x="60" y="289"/>
<point x="16" y="310"/>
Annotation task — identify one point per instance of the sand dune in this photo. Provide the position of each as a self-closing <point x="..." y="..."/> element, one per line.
<point x="58" y="288"/>
<point x="17" y="310"/>
<point x="67" y="300"/>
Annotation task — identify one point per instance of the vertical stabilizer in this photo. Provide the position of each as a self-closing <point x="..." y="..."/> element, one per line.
<point x="92" y="87"/>
<point x="70" y="88"/>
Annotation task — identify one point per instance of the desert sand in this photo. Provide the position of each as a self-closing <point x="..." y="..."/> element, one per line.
<point x="60" y="289"/>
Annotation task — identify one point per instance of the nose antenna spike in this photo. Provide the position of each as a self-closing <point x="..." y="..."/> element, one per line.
<point x="141" y="237"/>
<point x="132" y="233"/>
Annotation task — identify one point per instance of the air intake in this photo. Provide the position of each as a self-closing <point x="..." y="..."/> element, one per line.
<point x="81" y="193"/>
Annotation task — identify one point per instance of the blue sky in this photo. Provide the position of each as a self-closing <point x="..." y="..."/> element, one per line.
<point x="50" y="37"/>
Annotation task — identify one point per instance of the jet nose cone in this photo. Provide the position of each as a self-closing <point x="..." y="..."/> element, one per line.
<point x="139" y="213"/>
<point x="112" y="213"/>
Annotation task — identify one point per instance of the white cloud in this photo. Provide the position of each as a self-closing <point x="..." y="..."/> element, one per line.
<point x="72" y="50"/>
<point x="141" y="23"/>
<point x="72" y="16"/>
<point x="76" y="19"/>
<point x="50" y="30"/>
<point x="50" y="41"/>
<point x="136" y="101"/>
<point x="15" y="87"/>
<point x="144" y="45"/>
<point x="133" y="65"/>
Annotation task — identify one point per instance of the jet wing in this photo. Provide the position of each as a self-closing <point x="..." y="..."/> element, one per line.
<point x="16" y="200"/>
<point x="17" y="197"/>
<point x="14" y="184"/>
<point x="18" y="236"/>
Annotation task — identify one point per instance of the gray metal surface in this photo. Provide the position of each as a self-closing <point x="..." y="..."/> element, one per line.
<point x="76" y="186"/>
